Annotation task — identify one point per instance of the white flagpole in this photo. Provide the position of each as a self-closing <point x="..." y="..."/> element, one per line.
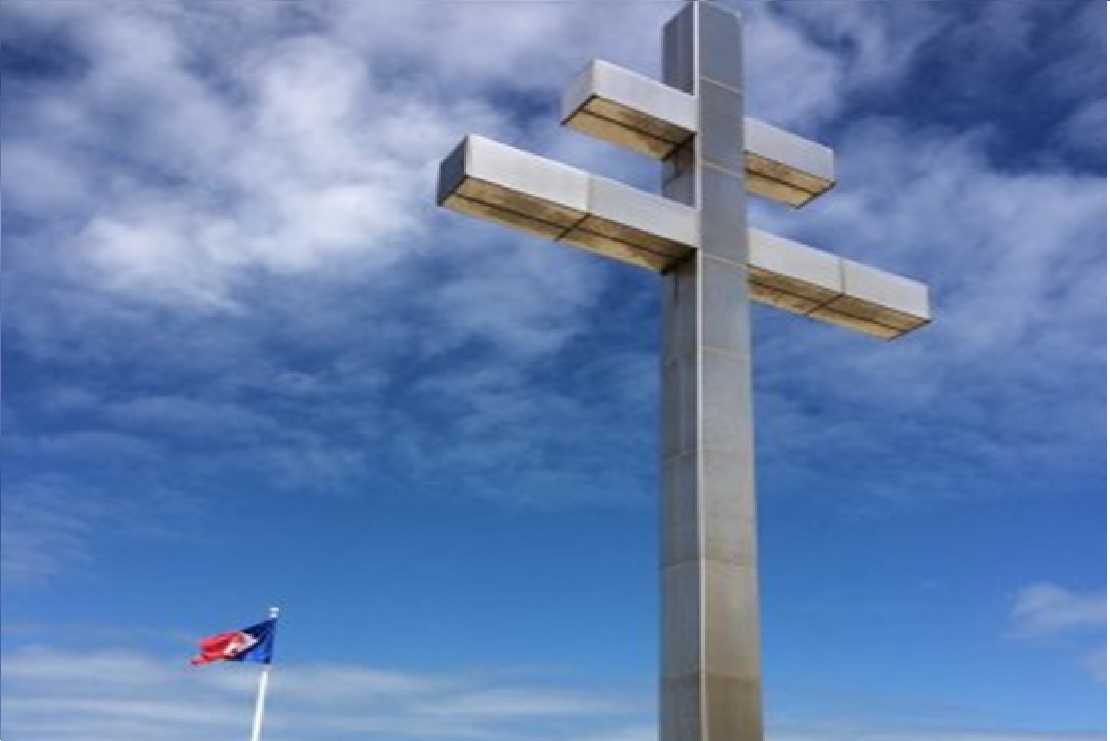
<point x="260" y="704"/>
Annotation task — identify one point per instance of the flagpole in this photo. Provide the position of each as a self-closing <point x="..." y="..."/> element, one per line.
<point x="263" y="682"/>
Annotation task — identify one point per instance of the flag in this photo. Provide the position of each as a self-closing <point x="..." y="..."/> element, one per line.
<point x="255" y="643"/>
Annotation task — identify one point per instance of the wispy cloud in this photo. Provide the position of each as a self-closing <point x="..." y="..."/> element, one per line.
<point x="1045" y="609"/>
<point x="130" y="696"/>
<point x="122" y="695"/>
<point x="41" y="535"/>
<point x="1049" y="611"/>
<point x="53" y="523"/>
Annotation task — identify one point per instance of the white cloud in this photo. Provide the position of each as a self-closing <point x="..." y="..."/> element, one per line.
<point x="200" y="162"/>
<point x="125" y="695"/>
<point x="1073" y="618"/>
<point x="828" y="52"/>
<point x="1045" y="609"/>
<point x="122" y="695"/>
<point x="203" y="143"/>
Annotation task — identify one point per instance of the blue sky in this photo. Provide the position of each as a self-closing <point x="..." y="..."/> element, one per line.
<point x="248" y="362"/>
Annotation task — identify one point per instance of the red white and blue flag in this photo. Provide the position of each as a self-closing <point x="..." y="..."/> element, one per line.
<point x="255" y="644"/>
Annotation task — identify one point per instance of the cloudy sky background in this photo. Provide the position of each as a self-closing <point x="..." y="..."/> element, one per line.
<point x="247" y="362"/>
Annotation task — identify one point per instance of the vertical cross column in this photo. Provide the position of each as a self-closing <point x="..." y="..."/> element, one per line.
<point x="710" y="634"/>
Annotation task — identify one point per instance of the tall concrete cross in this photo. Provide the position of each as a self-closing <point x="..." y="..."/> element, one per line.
<point x="696" y="235"/>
